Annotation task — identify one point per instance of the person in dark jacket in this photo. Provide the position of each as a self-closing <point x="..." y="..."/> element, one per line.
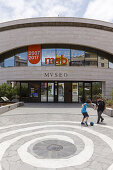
<point x="101" y="106"/>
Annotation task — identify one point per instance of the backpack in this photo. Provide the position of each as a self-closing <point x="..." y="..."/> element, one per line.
<point x="101" y="105"/>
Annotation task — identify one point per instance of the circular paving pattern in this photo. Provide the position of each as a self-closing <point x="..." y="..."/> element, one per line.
<point x="56" y="145"/>
<point x="54" y="149"/>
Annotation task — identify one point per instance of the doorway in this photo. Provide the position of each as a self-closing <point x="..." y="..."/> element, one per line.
<point x="34" y="92"/>
<point x="67" y="92"/>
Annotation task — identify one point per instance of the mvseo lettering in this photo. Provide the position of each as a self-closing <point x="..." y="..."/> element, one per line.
<point x="55" y="75"/>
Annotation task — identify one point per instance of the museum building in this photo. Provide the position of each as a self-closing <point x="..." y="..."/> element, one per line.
<point x="57" y="59"/>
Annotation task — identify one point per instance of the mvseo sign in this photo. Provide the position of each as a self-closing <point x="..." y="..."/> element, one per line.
<point x="34" y="54"/>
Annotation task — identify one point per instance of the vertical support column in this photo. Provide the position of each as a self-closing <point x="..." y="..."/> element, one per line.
<point x="20" y="92"/>
<point x="107" y="88"/>
<point x="55" y="91"/>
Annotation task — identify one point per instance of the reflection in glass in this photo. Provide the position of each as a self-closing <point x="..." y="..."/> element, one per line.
<point x="16" y="85"/>
<point x="34" y="91"/>
<point x="110" y="65"/>
<point x="102" y="62"/>
<point x="48" y="57"/>
<point x="63" y="57"/>
<point x="43" y="92"/>
<point x="80" y="92"/>
<point x="50" y="92"/>
<point x="87" y="90"/>
<point x="9" y="62"/>
<point x="1" y="64"/>
<point x="77" y="58"/>
<point x="90" y="59"/>
<point x="21" y="59"/>
<point x="96" y="90"/>
<point x="24" y="92"/>
<point x="74" y="92"/>
<point x="60" y="92"/>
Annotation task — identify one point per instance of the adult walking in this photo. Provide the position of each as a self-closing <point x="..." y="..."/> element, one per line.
<point x="101" y="106"/>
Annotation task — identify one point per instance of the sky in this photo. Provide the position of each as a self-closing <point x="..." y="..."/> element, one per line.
<point x="92" y="9"/>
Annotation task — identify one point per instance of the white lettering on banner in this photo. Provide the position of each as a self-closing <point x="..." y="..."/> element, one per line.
<point x="55" y="74"/>
<point x="34" y="52"/>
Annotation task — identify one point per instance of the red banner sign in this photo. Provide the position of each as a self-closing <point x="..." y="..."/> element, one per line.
<point x="34" y="54"/>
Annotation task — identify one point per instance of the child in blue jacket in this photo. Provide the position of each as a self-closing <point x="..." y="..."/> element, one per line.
<point x="85" y="114"/>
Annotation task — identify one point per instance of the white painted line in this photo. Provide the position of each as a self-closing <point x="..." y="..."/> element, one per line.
<point x="6" y="144"/>
<point x="30" y="123"/>
<point x="79" y="159"/>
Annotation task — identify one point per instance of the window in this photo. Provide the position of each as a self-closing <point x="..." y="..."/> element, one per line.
<point x="110" y="65"/>
<point x="77" y="58"/>
<point x="102" y="58"/>
<point x="21" y="59"/>
<point x="63" y="57"/>
<point x="48" y="57"/>
<point x="24" y="92"/>
<point x="9" y="62"/>
<point x="1" y="64"/>
<point x="74" y="92"/>
<point x="90" y="59"/>
<point x="87" y="55"/>
<point x="43" y="91"/>
<point x="102" y="64"/>
<point x="96" y="90"/>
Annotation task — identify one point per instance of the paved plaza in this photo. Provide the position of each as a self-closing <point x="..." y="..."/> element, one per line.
<point x="50" y="137"/>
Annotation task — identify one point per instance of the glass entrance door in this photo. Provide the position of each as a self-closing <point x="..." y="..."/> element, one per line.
<point x="50" y="92"/>
<point x="60" y="92"/>
<point x="43" y="91"/>
<point x="74" y="92"/>
<point x="87" y="90"/>
<point x="34" y="91"/>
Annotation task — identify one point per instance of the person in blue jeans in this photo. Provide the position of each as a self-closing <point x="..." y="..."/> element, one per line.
<point x="85" y="114"/>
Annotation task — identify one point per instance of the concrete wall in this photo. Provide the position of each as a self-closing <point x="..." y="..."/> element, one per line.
<point x="89" y="33"/>
<point x="9" y="107"/>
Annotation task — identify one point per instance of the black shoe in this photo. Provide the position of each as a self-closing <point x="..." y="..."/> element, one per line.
<point x="82" y="123"/>
<point x="97" y="122"/>
<point x="102" y="119"/>
<point x="86" y="123"/>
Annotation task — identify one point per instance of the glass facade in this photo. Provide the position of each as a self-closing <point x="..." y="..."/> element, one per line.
<point x="74" y="92"/>
<point x="48" y="57"/>
<point x="63" y="57"/>
<point x="60" y="92"/>
<point x="1" y="64"/>
<point x="96" y="90"/>
<point x="34" y="91"/>
<point x="21" y="59"/>
<point x="87" y="90"/>
<point x="91" y="59"/>
<point x="77" y="58"/>
<point x="43" y="91"/>
<point x="24" y="90"/>
<point x="110" y="65"/>
<point x="54" y="91"/>
<point x="9" y="62"/>
<point x="50" y="92"/>
<point x="58" y="57"/>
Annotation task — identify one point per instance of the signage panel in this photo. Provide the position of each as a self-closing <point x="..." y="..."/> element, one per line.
<point x="34" y="55"/>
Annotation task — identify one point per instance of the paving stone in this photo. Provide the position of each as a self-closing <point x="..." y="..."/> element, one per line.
<point x="54" y="119"/>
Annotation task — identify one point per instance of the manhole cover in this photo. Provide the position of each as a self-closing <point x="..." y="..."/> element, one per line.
<point x="53" y="149"/>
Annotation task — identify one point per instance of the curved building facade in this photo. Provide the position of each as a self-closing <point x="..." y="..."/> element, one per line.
<point x="57" y="59"/>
